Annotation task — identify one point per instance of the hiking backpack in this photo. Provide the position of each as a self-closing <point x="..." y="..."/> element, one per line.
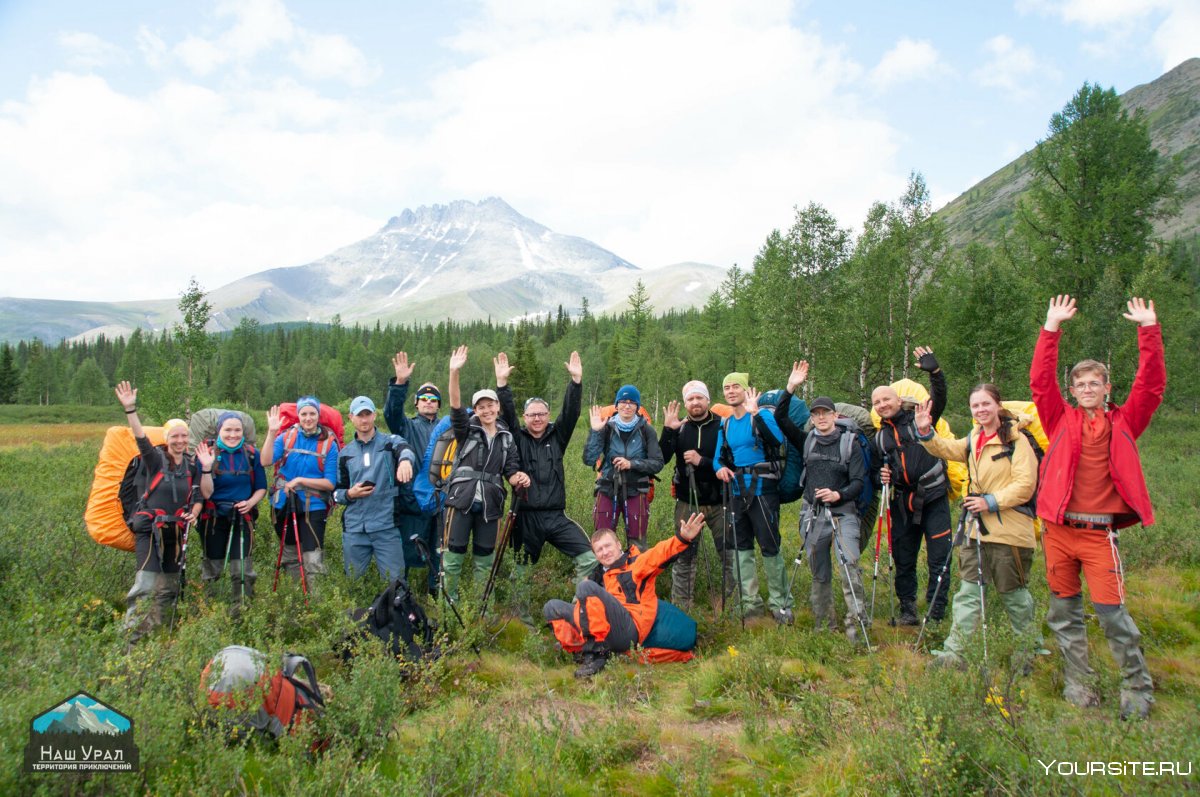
<point x="324" y="443"/>
<point x="1029" y="507"/>
<point x="791" y="478"/>
<point x="116" y="487"/>
<point x="397" y="619"/>
<point x="773" y="453"/>
<point x="202" y="425"/>
<point x="851" y="435"/>
<point x="647" y="431"/>
<point x="245" y="700"/>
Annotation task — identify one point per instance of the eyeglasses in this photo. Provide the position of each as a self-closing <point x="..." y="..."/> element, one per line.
<point x="627" y="401"/>
<point x="535" y="415"/>
<point x="1088" y="386"/>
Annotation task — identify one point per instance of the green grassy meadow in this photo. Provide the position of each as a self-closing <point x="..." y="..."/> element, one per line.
<point x="763" y="711"/>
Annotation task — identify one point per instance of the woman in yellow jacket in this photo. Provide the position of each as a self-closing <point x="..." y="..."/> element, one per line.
<point x="1002" y="478"/>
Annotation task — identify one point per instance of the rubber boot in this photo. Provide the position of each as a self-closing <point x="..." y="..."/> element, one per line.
<point x="820" y="599"/>
<point x="482" y="568"/>
<point x="140" y="603"/>
<point x="167" y="587"/>
<point x="314" y="569"/>
<point x="291" y="564"/>
<point x="1124" y="640"/>
<point x="210" y="571"/>
<point x="585" y="564"/>
<point x="1065" y="619"/>
<point x="965" y="611"/>
<point x="752" y="602"/>
<point x="683" y="580"/>
<point x="778" y="591"/>
<point x="452" y="565"/>
<point x="1019" y="606"/>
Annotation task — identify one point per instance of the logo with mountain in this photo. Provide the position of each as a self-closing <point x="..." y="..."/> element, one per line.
<point x="81" y="734"/>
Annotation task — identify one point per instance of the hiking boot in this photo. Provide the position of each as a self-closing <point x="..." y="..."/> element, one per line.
<point x="1124" y="641"/>
<point x="908" y="613"/>
<point x="1081" y="696"/>
<point x="592" y="664"/>
<point x="585" y="564"/>
<point x="1135" y="705"/>
<point x="783" y="616"/>
<point x="820" y="598"/>
<point x="778" y="590"/>
<point x="945" y="660"/>
<point x="683" y="581"/>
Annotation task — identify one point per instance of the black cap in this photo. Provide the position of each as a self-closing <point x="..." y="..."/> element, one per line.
<point x="428" y="389"/>
<point x="822" y="403"/>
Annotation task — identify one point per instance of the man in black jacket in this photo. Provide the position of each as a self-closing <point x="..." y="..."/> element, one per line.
<point x="695" y="485"/>
<point x="920" y="504"/>
<point x="541" y="444"/>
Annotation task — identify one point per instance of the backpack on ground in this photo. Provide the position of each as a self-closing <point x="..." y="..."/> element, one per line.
<point x="117" y="485"/>
<point x="245" y="700"/>
<point x="203" y="426"/>
<point x="851" y="436"/>
<point x="396" y="618"/>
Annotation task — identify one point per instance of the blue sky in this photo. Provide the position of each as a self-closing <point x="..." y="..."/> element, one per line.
<point x="144" y="142"/>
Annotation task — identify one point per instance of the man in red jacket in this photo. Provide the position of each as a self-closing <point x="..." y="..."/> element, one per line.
<point x="1091" y="486"/>
<point x="616" y="612"/>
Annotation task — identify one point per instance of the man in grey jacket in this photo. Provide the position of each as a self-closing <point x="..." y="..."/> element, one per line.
<point x="370" y="469"/>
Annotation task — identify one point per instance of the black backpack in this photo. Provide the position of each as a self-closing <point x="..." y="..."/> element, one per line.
<point x="397" y="619"/>
<point x="1029" y="507"/>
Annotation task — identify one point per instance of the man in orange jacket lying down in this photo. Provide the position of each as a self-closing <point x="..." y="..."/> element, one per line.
<point x="616" y="607"/>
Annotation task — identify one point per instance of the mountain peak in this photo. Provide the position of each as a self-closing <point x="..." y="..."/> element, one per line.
<point x="491" y="208"/>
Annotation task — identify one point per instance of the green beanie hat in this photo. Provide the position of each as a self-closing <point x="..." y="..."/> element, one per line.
<point x="736" y="378"/>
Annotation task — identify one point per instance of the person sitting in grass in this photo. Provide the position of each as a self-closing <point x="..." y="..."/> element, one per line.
<point x="617" y="607"/>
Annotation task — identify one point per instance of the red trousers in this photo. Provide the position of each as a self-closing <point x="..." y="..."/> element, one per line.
<point x="1092" y="551"/>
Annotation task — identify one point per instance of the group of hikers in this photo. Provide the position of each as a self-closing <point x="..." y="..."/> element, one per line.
<point x="731" y="462"/>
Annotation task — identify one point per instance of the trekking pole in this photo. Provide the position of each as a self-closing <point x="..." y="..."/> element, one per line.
<point x="299" y="553"/>
<point x="959" y="534"/>
<point x="182" y="560"/>
<point x="982" y="597"/>
<point x="725" y="544"/>
<point x="247" y="531"/>
<point x="883" y="497"/>
<point x="841" y="554"/>
<point x="501" y="544"/>
<point x="799" y="560"/>
<point x="737" y="560"/>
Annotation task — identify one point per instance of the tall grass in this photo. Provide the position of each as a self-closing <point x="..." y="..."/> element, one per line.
<point x="765" y="710"/>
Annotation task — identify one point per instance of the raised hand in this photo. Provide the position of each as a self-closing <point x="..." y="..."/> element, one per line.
<point x="1141" y="312"/>
<point x="575" y="368"/>
<point x="274" y="421"/>
<point x="671" y="418"/>
<point x="799" y="374"/>
<point x="206" y="455"/>
<point x="1062" y="308"/>
<point x="595" y="418"/>
<point x="925" y="359"/>
<point x="403" y="367"/>
<point x="688" y="529"/>
<point x="923" y="416"/>
<point x="751" y="403"/>
<point x="127" y="395"/>
<point x="404" y="472"/>
<point x="502" y="368"/>
<point x="458" y="358"/>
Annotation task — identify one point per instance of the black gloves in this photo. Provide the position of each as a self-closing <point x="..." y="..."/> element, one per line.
<point x="928" y="362"/>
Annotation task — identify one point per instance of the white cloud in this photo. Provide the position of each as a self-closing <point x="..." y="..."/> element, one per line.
<point x="1174" y="24"/>
<point x="908" y="60"/>
<point x="684" y="134"/>
<point x="87" y="50"/>
<point x="324" y="56"/>
<point x="151" y="46"/>
<point x="1011" y="67"/>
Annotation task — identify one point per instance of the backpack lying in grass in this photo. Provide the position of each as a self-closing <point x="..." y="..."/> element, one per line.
<point x="245" y="700"/>
<point x="117" y="486"/>
<point x="396" y="618"/>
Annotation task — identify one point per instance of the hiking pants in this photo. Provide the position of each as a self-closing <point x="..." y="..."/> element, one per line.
<point x="426" y="528"/>
<point x="536" y="527"/>
<point x="934" y="528"/>
<point x="596" y="616"/>
<point x="756" y="517"/>
<point x="1092" y="551"/>
<point x="226" y="533"/>
<point x="823" y="554"/>
<point x="463" y="527"/>
<point x="385" y="545"/>
<point x="635" y="510"/>
<point x="157" y="549"/>
<point x="311" y="524"/>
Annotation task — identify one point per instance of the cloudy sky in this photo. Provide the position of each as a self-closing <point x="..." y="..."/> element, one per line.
<point x="142" y="142"/>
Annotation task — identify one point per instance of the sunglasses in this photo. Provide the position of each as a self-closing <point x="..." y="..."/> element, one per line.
<point x="429" y="397"/>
